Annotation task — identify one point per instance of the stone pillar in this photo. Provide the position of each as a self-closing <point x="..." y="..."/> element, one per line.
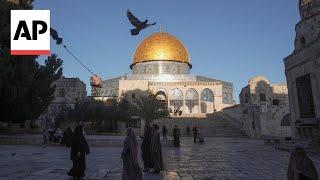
<point x="199" y="103"/>
<point x="184" y="103"/>
<point x="168" y="99"/>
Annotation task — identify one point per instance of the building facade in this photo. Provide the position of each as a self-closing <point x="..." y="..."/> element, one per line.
<point x="302" y="69"/>
<point x="263" y="110"/>
<point x="68" y="92"/>
<point x="161" y="65"/>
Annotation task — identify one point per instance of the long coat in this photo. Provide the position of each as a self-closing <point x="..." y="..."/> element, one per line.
<point x="131" y="169"/>
<point x="78" y="145"/>
<point x="145" y="148"/>
<point x="176" y="137"/>
<point x="156" y="151"/>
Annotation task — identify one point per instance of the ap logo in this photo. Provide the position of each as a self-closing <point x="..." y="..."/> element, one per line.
<point x="30" y="32"/>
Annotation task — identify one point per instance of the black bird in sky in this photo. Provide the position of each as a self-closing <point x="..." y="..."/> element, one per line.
<point x="54" y="34"/>
<point x="137" y="23"/>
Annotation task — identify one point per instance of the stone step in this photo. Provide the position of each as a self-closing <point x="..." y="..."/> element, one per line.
<point x="96" y="141"/>
<point x="213" y="125"/>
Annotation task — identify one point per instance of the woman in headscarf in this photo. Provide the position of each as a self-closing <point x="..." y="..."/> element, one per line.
<point x="156" y="150"/>
<point x="79" y="150"/>
<point x="145" y="148"/>
<point x="301" y="166"/>
<point x="176" y="136"/>
<point x="131" y="169"/>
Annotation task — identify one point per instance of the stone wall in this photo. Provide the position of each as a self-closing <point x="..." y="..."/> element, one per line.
<point x="263" y="109"/>
<point x="302" y="68"/>
<point x="256" y="123"/>
<point x="68" y="92"/>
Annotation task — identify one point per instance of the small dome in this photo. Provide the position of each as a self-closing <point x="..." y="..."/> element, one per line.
<point x="161" y="47"/>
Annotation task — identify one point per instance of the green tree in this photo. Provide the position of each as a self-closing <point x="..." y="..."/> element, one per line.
<point x="147" y="106"/>
<point x="104" y="116"/>
<point x="25" y="85"/>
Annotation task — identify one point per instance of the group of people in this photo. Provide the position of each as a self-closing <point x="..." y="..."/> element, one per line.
<point x="78" y="143"/>
<point x="175" y="111"/>
<point x="151" y="149"/>
<point x="300" y="165"/>
<point x="151" y="153"/>
<point x="196" y="135"/>
<point x="176" y="134"/>
<point x="57" y="136"/>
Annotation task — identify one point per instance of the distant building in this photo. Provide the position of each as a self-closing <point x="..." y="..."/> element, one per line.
<point x="68" y="92"/>
<point x="161" y="65"/>
<point x="302" y="69"/>
<point x="260" y="91"/>
<point x="263" y="110"/>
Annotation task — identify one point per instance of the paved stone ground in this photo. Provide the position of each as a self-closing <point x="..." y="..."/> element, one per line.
<point x="218" y="158"/>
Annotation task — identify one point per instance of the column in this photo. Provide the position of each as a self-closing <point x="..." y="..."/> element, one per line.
<point x="199" y="102"/>
<point x="168" y="99"/>
<point x="184" y="103"/>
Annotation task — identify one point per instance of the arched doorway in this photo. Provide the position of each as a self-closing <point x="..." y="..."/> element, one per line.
<point x="161" y="96"/>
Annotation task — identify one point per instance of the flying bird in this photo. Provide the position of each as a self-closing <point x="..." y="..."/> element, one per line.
<point x="137" y="23"/>
<point x="54" y="34"/>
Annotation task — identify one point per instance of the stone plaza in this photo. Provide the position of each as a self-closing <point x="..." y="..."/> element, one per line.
<point x="220" y="158"/>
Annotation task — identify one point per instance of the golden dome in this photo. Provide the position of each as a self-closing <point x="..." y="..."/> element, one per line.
<point x="161" y="47"/>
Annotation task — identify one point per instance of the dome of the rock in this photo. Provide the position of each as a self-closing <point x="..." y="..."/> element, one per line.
<point x="161" y="47"/>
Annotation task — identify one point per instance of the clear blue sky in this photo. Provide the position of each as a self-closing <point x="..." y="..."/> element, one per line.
<point x="230" y="40"/>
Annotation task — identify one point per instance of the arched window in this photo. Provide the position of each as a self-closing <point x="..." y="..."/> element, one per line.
<point x="192" y="99"/>
<point x="192" y="95"/>
<point x="207" y="95"/>
<point x="162" y="97"/>
<point x="176" y="99"/>
<point x="176" y="94"/>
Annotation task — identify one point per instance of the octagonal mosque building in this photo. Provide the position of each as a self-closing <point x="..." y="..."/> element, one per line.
<point x="161" y="65"/>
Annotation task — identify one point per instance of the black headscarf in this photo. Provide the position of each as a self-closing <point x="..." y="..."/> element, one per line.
<point x="79" y="141"/>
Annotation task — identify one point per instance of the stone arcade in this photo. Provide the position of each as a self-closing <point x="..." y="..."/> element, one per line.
<point x="161" y="65"/>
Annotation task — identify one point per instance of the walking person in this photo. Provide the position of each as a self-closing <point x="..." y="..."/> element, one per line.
<point x="45" y="136"/>
<point x="79" y="150"/>
<point x="176" y="136"/>
<point x="156" y="150"/>
<point x="195" y="133"/>
<point x="131" y="169"/>
<point x="188" y="131"/>
<point x="301" y="166"/>
<point x="164" y="132"/>
<point x="145" y="148"/>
